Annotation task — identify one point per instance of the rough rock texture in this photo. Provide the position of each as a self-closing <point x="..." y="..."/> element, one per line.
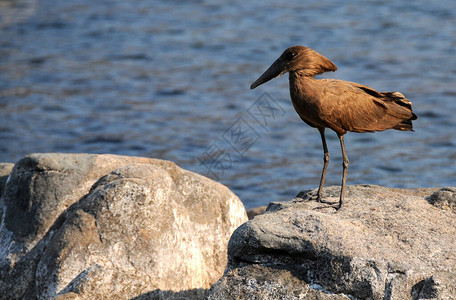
<point x="258" y="282"/>
<point x="253" y="212"/>
<point x="5" y="170"/>
<point x="81" y="226"/>
<point x="383" y="244"/>
<point x="444" y="198"/>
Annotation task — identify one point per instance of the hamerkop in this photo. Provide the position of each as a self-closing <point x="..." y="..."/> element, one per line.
<point x="340" y="105"/>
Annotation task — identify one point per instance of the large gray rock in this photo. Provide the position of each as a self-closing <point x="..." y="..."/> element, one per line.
<point x="42" y="186"/>
<point x="383" y="244"/>
<point x="86" y="226"/>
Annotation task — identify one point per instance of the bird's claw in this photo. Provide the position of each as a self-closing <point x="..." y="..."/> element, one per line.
<point x="306" y="196"/>
<point x="336" y="207"/>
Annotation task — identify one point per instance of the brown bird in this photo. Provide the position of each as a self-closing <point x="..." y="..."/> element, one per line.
<point x="340" y="105"/>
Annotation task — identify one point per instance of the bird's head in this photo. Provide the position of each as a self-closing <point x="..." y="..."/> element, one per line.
<point x="296" y="58"/>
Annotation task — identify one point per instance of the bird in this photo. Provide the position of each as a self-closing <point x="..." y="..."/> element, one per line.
<point x="339" y="105"/>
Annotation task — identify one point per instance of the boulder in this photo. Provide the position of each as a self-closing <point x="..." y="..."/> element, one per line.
<point x="85" y="226"/>
<point x="42" y="186"/>
<point x="5" y="170"/>
<point x="444" y="198"/>
<point x="383" y="244"/>
<point x="253" y="212"/>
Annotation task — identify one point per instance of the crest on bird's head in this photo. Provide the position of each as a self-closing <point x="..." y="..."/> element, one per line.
<point x="306" y="59"/>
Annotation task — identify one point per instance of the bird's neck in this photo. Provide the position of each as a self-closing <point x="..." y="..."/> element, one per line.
<point x="302" y="85"/>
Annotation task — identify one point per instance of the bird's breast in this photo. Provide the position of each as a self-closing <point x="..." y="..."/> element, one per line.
<point x="308" y="109"/>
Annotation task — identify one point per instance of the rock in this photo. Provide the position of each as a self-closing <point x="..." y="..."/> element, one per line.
<point x="444" y="198"/>
<point x="42" y="186"/>
<point x="256" y="281"/>
<point x="5" y="170"/>
<point x="383" y="244"/>
<point x="253" y="212"/>
<point x="82" y="226"/>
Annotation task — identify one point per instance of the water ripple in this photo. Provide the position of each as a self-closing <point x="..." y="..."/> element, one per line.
<point x="167" y="79"/>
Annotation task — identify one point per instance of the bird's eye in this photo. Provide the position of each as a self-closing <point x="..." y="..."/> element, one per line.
<point x="291" y="55"/>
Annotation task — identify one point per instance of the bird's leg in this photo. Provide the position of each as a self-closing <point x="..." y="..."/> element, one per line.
<point x="325" y="165"/>
<point x="345" y="169"/>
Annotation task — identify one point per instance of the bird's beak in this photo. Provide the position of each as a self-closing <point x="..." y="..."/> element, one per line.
<point x="278" y="68"/>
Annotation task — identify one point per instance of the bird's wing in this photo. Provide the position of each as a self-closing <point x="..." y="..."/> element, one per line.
<point x="355" y="107"/>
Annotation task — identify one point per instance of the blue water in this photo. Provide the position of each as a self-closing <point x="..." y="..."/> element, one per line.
<point x="170" y="79"/>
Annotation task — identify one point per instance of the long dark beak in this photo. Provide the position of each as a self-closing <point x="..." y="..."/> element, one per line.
<point x="275" y="70"/>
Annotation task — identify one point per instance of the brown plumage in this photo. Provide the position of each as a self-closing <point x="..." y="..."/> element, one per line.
<point x="340" y="105"/>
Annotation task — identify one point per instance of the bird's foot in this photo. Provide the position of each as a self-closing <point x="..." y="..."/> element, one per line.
<point x="309" y="196"/>
<point x="328" y="205"/>
<point x="331" y="203"/>
<point x="319" y="199"/>
<point x="337" y="207"/>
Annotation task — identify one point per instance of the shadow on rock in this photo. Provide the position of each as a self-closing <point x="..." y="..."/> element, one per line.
<point x="170" y="295"/>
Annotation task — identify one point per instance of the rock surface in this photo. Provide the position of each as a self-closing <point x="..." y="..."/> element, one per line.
<point x="444" y="198"/>
<point x="5" y="170"/>
<point x="253" y="212"/>
<point x="85" y="226"/>
<point x="383" y="244"/>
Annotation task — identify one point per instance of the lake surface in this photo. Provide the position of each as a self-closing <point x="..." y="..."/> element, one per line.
<point x="170" y="80"/>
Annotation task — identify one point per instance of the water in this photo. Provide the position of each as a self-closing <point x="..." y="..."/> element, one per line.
<point x="171" y="79"/>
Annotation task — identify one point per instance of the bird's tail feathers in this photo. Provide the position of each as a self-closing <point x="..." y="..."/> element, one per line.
<point x="400" y="107"/>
